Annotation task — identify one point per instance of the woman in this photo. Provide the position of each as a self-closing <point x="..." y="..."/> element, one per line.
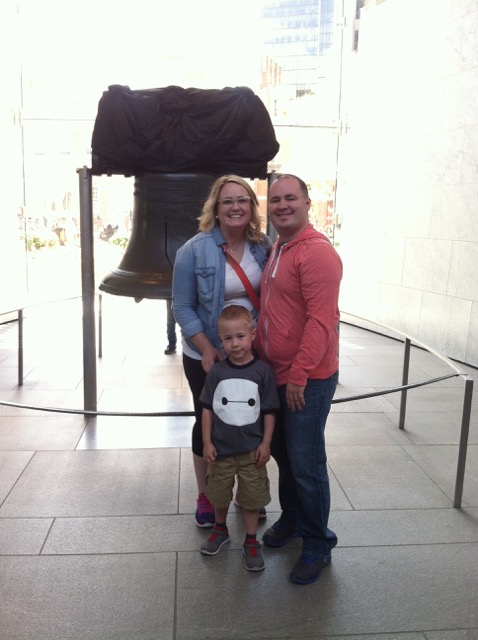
<point x="204" y="283"/>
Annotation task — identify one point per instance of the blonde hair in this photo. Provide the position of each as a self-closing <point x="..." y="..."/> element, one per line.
<point x="236" y="312"/>
<point x="207" y="219"/>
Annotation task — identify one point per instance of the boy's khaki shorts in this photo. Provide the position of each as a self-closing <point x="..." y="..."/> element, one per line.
<point x="253" y="483"/>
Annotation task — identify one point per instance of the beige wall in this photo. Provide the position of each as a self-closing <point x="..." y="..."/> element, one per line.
<point x="408" y="189"/>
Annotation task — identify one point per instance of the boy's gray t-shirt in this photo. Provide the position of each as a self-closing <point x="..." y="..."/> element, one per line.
<point x="238" y="397"/>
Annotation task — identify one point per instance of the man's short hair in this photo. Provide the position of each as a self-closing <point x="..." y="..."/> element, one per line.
<point x="303" y="186"/>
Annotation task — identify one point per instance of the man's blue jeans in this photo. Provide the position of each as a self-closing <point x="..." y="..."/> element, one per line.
<point x="298" y="447"/>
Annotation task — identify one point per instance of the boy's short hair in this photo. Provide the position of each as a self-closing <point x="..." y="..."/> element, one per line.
<point x="237" y="312"/>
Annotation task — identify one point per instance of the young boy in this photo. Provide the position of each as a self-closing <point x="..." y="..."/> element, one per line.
<point x="240" y="399"/>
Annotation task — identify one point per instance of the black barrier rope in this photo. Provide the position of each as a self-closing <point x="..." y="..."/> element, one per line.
<point x="413" y="385"/>
<point x="164" y="414"/>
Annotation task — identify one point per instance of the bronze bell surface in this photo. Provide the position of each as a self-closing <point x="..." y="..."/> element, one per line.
<point x="165" y="215"/>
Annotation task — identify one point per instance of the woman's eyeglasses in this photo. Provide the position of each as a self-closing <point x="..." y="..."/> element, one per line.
<point x="229" y="202"/>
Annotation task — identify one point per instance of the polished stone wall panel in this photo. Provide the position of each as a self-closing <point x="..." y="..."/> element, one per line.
<point x="439" y="158"/>
<point x="426" y="264"/>
<point x="444" y="320"/>
<point x="463" y="278"/>
<point x="470" y="154"/>
<point x="400" y="307"/>
<point x="414" y="219"/>
<point x="412" y="146"/>
<point x="455" y="216"/>
<point x="389" y="258"/>
<point x="472" y="337"/>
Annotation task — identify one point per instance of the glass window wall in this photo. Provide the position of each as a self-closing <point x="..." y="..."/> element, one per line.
<point x="289" y="52"/>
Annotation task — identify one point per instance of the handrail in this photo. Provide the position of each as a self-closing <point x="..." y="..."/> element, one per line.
<point x="416" y="342"/>
<point x="467" y="401"/>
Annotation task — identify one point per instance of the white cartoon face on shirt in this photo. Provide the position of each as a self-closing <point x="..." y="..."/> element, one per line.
<point x="237" y="401"/>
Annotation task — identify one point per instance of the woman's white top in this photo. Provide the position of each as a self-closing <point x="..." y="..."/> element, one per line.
<point x="234" y="292"/>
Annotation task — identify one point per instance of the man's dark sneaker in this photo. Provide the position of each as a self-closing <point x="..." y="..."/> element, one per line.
<point x="204" y="512"/>
<point x="279" y="534"/>
<point x="253" y="555"/>
<point x="219" y="536"/>
<point x="170" y="350"/>
<point x="309" y="567"/>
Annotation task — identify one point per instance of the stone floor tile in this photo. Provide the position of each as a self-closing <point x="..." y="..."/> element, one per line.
<point x="23" y="536"/>
<point x="89" y="483"/>
<point x="120" y="597"/>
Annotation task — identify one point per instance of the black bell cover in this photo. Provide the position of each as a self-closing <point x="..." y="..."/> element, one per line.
<point x="175" y="130"/>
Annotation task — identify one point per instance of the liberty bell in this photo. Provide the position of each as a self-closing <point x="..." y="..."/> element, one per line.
<point x="165" y="216"/>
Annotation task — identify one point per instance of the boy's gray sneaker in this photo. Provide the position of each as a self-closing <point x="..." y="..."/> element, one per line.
<point x="215" y="541"/>
<point x="253" y="555"/>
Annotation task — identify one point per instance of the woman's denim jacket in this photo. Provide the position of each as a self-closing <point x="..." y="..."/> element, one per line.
<point x="198" y="282"/>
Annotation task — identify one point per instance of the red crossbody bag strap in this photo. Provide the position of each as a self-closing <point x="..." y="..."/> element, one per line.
<point x="244" y="279"/>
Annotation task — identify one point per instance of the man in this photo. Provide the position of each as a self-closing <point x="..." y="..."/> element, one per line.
<point x="298" y="336"/>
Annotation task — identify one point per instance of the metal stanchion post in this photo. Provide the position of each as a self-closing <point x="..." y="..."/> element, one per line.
<point x="465" y="429"/>
<point x="403" y="395"/>
<point x="20" y="347"/>
<point x="88" y="290"/>
<point x="100" y="326"/>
